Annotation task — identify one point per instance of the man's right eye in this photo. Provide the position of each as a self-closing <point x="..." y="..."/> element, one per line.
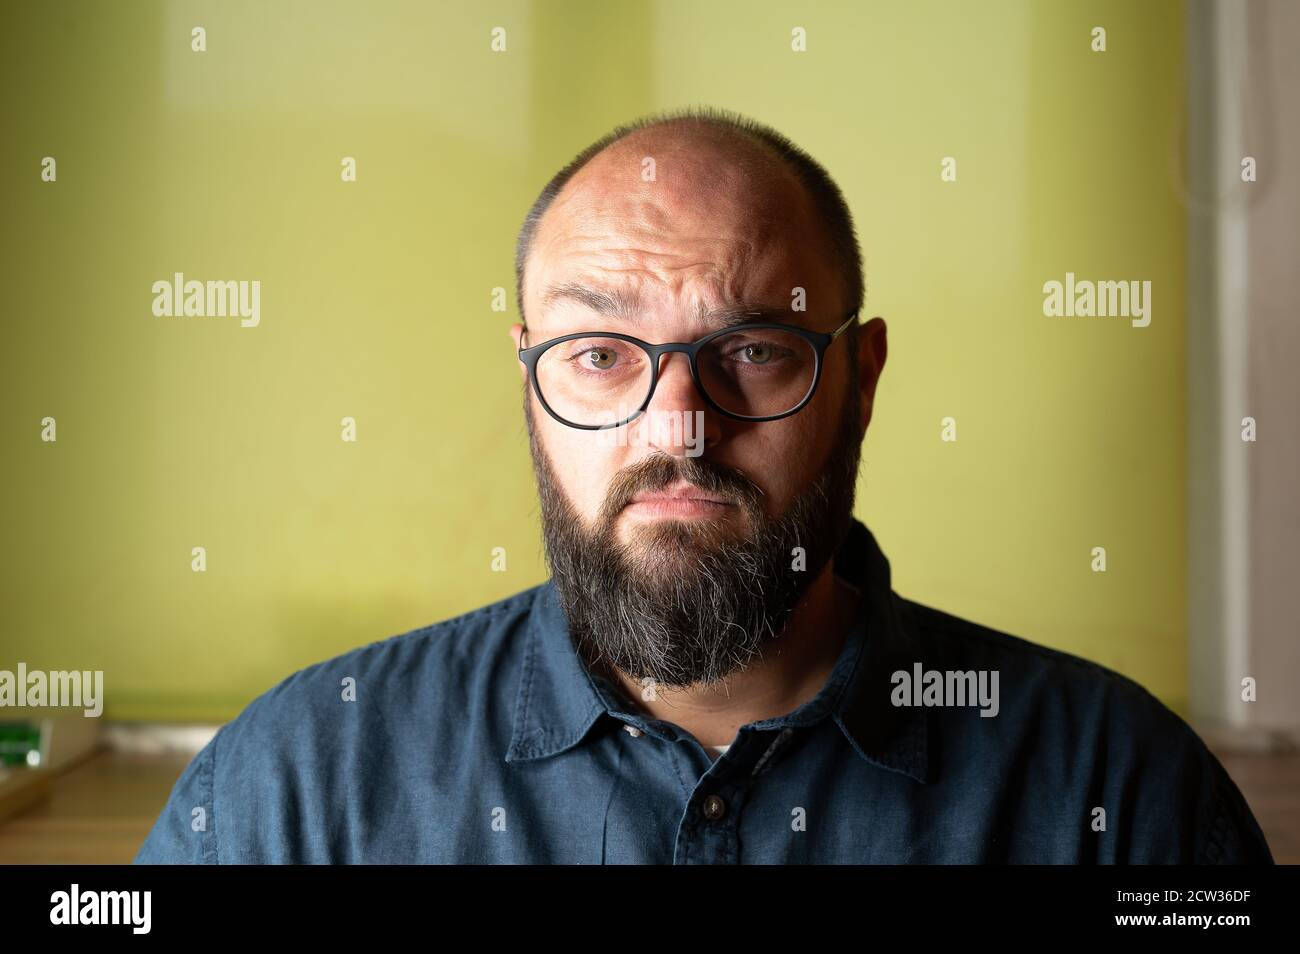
<point x="599" y="359"/>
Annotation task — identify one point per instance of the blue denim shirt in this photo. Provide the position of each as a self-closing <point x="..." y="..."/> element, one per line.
<point x="484" y="739"/>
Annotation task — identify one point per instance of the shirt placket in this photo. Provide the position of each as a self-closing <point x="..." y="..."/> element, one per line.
<point x="709" y="831"/>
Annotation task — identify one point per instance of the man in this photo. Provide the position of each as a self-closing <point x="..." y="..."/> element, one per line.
<point x="718" y="671"/>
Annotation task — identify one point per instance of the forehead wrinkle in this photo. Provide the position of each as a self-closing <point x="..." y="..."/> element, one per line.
<point x="723" y="295"/>
<point x="636" y="268"/>
<point x="662" y="224"/>
<point x="630" y="247"/>
<point x="712" y="274"/>
<point x="626" y="305"/>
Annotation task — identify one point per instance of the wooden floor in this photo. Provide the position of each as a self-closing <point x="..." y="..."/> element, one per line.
<point x="100" y="811"/>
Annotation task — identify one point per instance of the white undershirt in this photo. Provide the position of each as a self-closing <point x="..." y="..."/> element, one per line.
<point x="717" y="749"/>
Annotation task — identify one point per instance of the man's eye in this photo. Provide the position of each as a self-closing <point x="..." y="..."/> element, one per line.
<point x="599" y="359"/>
<point x="756" y="352"/>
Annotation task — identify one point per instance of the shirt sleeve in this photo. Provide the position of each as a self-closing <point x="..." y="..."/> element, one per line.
<point x="1176" y="804"/>
<point x="1229" y="834"/>
<point x="185" y="832"/>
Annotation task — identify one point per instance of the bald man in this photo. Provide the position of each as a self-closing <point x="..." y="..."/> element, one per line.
<point x="718" y="670"/>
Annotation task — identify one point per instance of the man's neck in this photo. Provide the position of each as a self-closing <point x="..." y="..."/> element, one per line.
<point x="792" y="670"/>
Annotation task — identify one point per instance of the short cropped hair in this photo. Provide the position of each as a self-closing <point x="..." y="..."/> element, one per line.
<point x="828" y="202"/>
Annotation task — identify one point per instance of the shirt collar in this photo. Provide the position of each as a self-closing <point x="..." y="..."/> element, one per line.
<point x="559" y="700"/>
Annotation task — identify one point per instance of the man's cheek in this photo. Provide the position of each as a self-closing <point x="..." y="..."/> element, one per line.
<point x="777" y="461"/>
<point x="585" y="473"/>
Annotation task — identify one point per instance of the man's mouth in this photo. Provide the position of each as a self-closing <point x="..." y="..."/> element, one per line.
<point x="678" y="501"/>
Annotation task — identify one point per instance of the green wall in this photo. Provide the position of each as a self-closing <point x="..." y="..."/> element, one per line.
<point x="376" y="304"/>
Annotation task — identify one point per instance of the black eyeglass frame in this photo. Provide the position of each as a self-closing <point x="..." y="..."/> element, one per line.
<point x="820" y="340"/>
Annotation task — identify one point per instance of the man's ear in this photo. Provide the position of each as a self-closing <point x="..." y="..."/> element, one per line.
<point x="873" y="349"/>
<point x="516" y="335"/>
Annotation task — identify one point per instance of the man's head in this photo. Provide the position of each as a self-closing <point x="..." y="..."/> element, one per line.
<point x="678" y="555"/>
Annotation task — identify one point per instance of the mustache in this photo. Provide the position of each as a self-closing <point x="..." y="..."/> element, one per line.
<point x="663" y="470"/>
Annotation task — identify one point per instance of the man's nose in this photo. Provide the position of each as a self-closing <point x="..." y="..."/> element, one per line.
<point x="678" y="421"/>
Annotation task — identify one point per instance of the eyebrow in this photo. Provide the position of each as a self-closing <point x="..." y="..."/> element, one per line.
<point x="627" y="306"/>
<point x="615" y="304"/>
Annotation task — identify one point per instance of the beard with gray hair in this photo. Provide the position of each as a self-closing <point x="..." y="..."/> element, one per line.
<point x="693" y="604"/>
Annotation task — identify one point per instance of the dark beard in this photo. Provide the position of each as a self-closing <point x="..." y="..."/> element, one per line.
<point x="691" y="605"/>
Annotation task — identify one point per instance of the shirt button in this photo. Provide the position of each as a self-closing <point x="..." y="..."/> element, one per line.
<point x="714" y="808"/>
<point x="633" y="731"/>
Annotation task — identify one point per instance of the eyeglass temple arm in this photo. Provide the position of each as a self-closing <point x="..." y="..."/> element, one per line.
<point x="847" y="321"/>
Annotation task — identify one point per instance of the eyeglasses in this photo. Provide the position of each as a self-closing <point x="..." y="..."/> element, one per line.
<point x="753" y="372"/>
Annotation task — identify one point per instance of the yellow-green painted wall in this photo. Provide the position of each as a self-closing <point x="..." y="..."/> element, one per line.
<point x="376" y="304"/>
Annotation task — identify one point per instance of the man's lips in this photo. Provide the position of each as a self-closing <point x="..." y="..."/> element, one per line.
<point x="679" y="491"/>
<point x="679" y="500"/>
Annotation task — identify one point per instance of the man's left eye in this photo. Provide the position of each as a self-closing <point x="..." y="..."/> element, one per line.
<point x="755" y="352"/>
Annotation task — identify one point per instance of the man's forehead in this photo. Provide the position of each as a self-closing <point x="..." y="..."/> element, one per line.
<point x="633" y="247"/>
<point x="719" y="229"/>
<point x="628" y="305"/>
<point x="684" y="186"/>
